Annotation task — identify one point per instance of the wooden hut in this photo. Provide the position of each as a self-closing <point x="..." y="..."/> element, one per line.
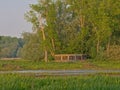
<point x="70" y="57"/>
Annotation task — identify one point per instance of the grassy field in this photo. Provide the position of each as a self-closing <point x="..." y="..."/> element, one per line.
<point x="31" y="65"/>
<point x="30" y="82"/>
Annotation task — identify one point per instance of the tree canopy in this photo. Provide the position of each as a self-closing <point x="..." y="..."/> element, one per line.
<point x="89" y="27"/>
<point x="10" y="47"/>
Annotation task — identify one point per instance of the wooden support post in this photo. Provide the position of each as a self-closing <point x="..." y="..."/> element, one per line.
<point x="61" y="58"/>
<point x="68" y="57"/>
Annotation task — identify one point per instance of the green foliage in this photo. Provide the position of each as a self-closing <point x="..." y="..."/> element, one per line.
<point x="6" y="65"/>
<point x="76" y="26"/>
<point x="20" y="82"/>
<point x="32" y="50"/>
<point x="10" y="46"/>
<point x="114" y="52"/>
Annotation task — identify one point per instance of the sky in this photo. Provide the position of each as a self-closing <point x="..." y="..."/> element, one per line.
<point x="12" y="22"/>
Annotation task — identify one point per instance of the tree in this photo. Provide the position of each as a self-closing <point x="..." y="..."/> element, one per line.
<point x="32" y="49"/>
<point x="75" y="26"/>
<point x="9" y="46"/>
<point x="51" y="16"/>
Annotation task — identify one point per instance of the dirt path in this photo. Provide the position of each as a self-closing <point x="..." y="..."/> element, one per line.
<point x="62" y="72"/>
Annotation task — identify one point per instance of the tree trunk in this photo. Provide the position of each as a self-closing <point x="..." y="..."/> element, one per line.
<point x="44" y="38"/>
<point x="98" y="46"/>
<point x="108" y="48"/>
<point x="46" y="56"/>
<point x="53" y="45"/>
<point x="82" y="24"/>
<point x="45" y="50"/>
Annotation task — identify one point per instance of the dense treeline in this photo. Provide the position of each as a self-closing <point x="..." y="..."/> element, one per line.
<point x="10" y="46"/>
<point x="89" y="27"/>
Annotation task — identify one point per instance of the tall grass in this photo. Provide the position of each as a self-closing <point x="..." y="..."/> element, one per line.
<point x="20" y="82"/>
<point x="26" y="65"/>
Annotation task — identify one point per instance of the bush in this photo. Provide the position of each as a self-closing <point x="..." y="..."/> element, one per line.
<point x="114" y="52"/>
